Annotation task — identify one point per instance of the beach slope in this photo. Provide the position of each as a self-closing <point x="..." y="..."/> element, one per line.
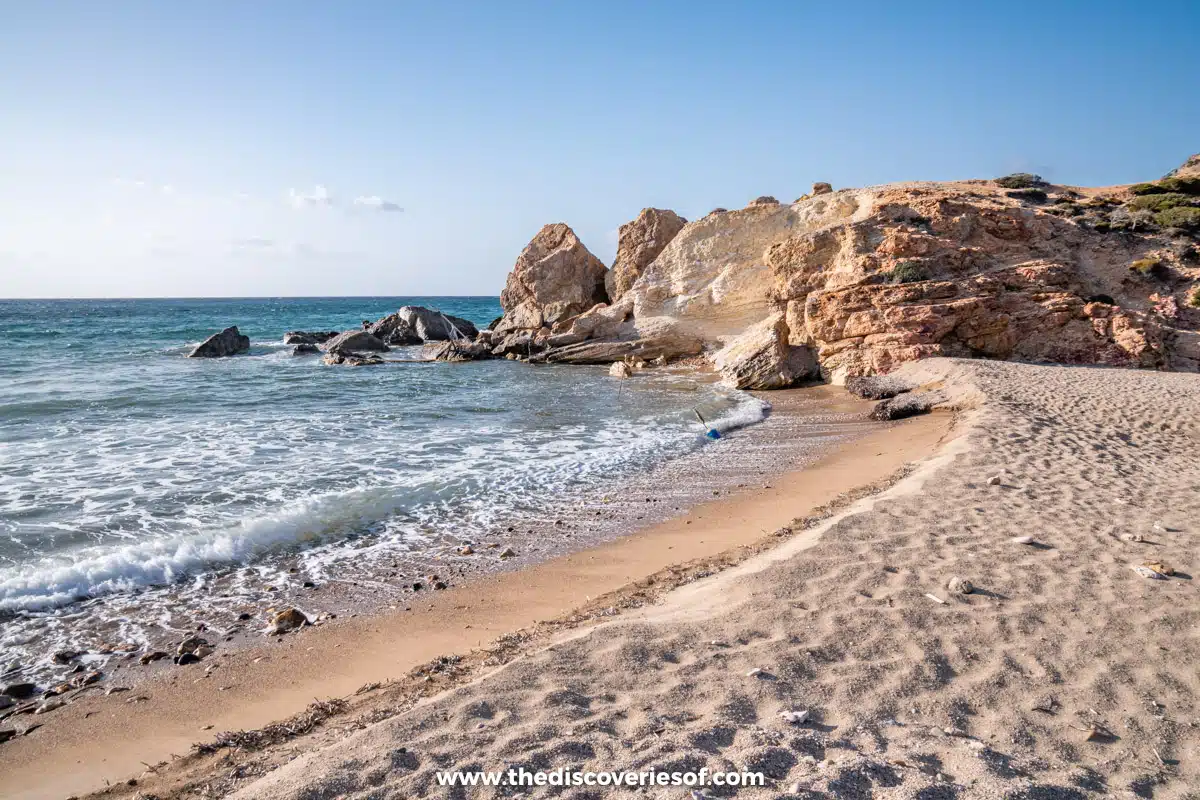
<point x="1065" y="673"/>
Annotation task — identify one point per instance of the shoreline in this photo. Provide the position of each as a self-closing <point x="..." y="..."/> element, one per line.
<point x="98" y="739"/>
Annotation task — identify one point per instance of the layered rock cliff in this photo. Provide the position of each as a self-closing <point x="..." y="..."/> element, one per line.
<point x="858" y="281"/>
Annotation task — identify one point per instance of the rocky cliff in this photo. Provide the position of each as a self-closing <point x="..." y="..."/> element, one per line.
<point x="858" y="281"/>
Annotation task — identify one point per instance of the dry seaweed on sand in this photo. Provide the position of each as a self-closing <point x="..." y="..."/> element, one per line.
<point x="304" y="722"/>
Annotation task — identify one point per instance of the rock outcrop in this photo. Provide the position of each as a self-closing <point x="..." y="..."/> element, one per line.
<point x="638" y="243"/>
<point x="416" y="325"/>
<point x="858" y="281"/>
<point x="228" y="342"/>
<point x="555" y="278"/>
<point x="1188" y="169"/>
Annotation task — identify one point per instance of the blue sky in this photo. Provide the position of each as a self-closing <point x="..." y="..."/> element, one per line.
<point x="221" y="148"/>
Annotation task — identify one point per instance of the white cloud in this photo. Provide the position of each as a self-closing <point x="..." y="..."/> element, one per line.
<point x="319" y="197"/>
<point x="254" y="243"/>
<point x="377" y="203"/>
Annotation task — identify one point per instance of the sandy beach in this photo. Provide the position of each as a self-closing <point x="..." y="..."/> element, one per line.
<point x="1065" y="673"/>
<point x="98" y="739"/>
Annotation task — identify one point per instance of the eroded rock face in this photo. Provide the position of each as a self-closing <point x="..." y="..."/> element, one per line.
<point x="639" y="242"/>
<point x="555" y="278"/>
<point x="866" y="280"/>
<point x="228" y="342"/>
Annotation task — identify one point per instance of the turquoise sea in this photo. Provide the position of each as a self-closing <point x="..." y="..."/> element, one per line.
<point x="126" y="467"/>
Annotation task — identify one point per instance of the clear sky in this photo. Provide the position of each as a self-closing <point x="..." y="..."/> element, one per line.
<point x="385" y="148"/>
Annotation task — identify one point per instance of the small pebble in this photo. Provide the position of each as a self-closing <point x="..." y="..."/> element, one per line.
<point x="960" y="585"/>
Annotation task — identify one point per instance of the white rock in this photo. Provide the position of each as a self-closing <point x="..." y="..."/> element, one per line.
<point x="795" y="717"/>
<point x="994" y="480"/>
<point x="754" y="673"/>
<point x="1146" y="572"/>
<point x="619" y="369"/>
<point x="1022" y="540"/>
<point x="52" y="704"/>
<point x="960" y="585"/>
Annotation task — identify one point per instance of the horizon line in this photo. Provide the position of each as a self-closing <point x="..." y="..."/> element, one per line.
<point x="254" y="297"/>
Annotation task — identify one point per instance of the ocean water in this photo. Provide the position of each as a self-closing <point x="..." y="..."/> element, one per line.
<point x="127" y="469"/>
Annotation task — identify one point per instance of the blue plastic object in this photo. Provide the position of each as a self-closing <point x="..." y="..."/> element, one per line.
<point x="713" y="434"/>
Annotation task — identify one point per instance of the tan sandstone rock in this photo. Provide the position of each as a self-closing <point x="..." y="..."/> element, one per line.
<point x="1188" y="169"/>
<point x="555" y="278"/>
<point x="868" y="279"/>
<point x="639" y="242"/>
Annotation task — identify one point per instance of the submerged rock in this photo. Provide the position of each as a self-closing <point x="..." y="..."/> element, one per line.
<point x="308" y="337"/>
<point x="305" y="349"/>
<point x="351" y="359"/>
<point x="459" y="351"/>
<point x="228" y="342"/>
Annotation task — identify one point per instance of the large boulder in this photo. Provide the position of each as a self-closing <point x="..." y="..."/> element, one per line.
<point x="639" y="242"/>
<point x="394" y="330"/>
<point x="417" y="324"/>
<point x="228" y="342"/>
<point x="555" y="278"/>
<point x="355" y="341"/>
<point x="762" y="358"/>
<point x="434" y="326"/>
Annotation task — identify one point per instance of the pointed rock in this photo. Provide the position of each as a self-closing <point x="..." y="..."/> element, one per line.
<point x="555" y="277"/>
<point x="639" y="243"/>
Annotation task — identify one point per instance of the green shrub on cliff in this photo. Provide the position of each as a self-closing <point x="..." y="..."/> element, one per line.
<point x="1020" y="180"/>
<point x="1185" y="185"/>
<point x="1187" y="218"/>
<point x="909" y="272"/>
<point x="1160" y="202"/>
<point x="1029" y="195"/>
